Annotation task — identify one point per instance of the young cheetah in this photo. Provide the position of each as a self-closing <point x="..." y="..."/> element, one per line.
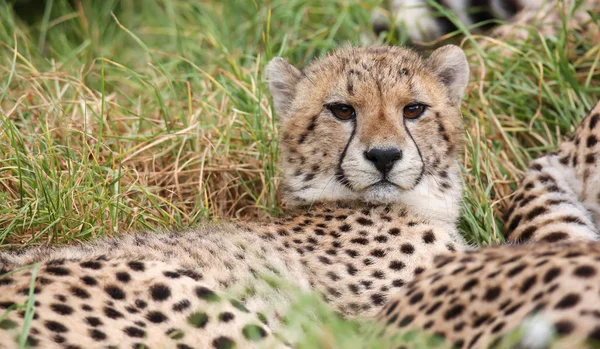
<point x="369" y="143"/>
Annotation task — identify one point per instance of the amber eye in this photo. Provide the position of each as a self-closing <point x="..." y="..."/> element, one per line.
<point x="342" y="111"/>
<point x="413" y="111"/>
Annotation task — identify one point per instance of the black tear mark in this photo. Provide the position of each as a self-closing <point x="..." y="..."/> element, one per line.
<point x="418" y="180"/>
<point x="339" y="174"/>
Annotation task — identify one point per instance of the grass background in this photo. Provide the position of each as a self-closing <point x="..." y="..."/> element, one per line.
<point x="127" y="115"/>
<point x="118" y="116"/>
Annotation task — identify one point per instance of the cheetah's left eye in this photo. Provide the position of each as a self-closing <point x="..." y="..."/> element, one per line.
<point x="413" y="111"/>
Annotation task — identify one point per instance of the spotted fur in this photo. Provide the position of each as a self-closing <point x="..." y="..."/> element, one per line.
<point x="559" y="199"/>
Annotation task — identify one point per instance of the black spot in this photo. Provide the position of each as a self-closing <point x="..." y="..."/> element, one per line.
<point x="454" y="311"/>
<point x="378" y="238"/>
<point x="61" y="309"/>
<point x="440" y="290"/>
<point x="131" y="310"/>
<point x="516" y="270"/>
<point x="360" y="241"/>
<point x="498" y="327"/>
<point x="79" y="292"/>
<point x="398" y="283"/>
<point x="406" y="320"/>
<point x="90" y="281"/>
<point x="513" y="309"/>
<point x="568" y="301"/>
<point x="556" y="236"/>
<point x="91" y="265"/>
<point x="93" y="321"/>
<point x="58" y="271"/>
<point x="585" y="271"/>
<point x="114" y="292"/>
<point x="135" y="332"/>
<point x="527" y="233"/>
<point x="378" y="299"/>
<point x="364" y="221"/>
<point x="254" y="332"/>
<point x="536" y="212"/>
<point x="379" y="253"/>
<point x="407" y="249"/>
<point x="394" y="231"/>
<point x="527" y="284"/>
<point x="397" y="265"/>
<point x="551" y="274"/>
<point x="429" y="237"/>
<point x="433" y="308"/>
<point x="324" y="260"/>
<point x="190" y="273"/>
<point x="594" y="120"/>
<point x="96" y="334"/>
<point x="416" y="298"/>
<point x="345" y="228"/>
<point x="136" y="266"/>
<point x="592" y="141"/>
<point x="514" y="222"/>
<point x="492" y="294"/>
<point x="123" y="276"/>
<point x="378" y="274"/>
<point x="140" y="303"/>
<point x="564" y="327"/>
<point x="181" y="305"/>
<point x="160" y="292"/>
<point x="55" y="326"/>
<point x="470" y="284"/>
<point x="112" y="313"/>
<point x="223" y="343"/>
<point x="156" y="317"/>
<point x="226" y="316"/>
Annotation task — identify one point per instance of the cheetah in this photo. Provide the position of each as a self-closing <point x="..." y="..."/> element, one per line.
<point x="369" y="145"/>
<point x="420" y="20"/>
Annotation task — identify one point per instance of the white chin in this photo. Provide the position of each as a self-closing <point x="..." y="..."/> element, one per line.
<point x="382" y="193"/>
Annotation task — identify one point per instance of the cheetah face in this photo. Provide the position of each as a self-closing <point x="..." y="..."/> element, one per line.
<point x="368" y="124"/>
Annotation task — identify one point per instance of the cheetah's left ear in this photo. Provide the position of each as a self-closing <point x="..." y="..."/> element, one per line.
<point x="450" y="64"/>
<point x="283" y="78"/>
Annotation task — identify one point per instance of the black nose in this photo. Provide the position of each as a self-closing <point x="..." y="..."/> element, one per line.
<point x="383" y="159"/>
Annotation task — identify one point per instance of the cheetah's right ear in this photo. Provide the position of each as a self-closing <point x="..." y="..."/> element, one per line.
<point x="283" y="78"/>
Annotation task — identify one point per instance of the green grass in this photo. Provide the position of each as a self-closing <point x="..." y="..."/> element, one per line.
<point x="118" y="116"/>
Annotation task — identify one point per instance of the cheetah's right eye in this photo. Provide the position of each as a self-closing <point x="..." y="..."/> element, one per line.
<point x="342" y="111"/>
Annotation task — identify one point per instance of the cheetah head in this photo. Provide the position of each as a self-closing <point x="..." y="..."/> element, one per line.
<point x="378" y="124"/>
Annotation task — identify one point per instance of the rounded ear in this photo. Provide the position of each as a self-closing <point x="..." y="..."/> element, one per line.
<point x="282" y="78"/>
<point x="449" y="63"/>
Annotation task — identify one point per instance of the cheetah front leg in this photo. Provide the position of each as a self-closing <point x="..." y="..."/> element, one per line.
<point x="559" y="197"/>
